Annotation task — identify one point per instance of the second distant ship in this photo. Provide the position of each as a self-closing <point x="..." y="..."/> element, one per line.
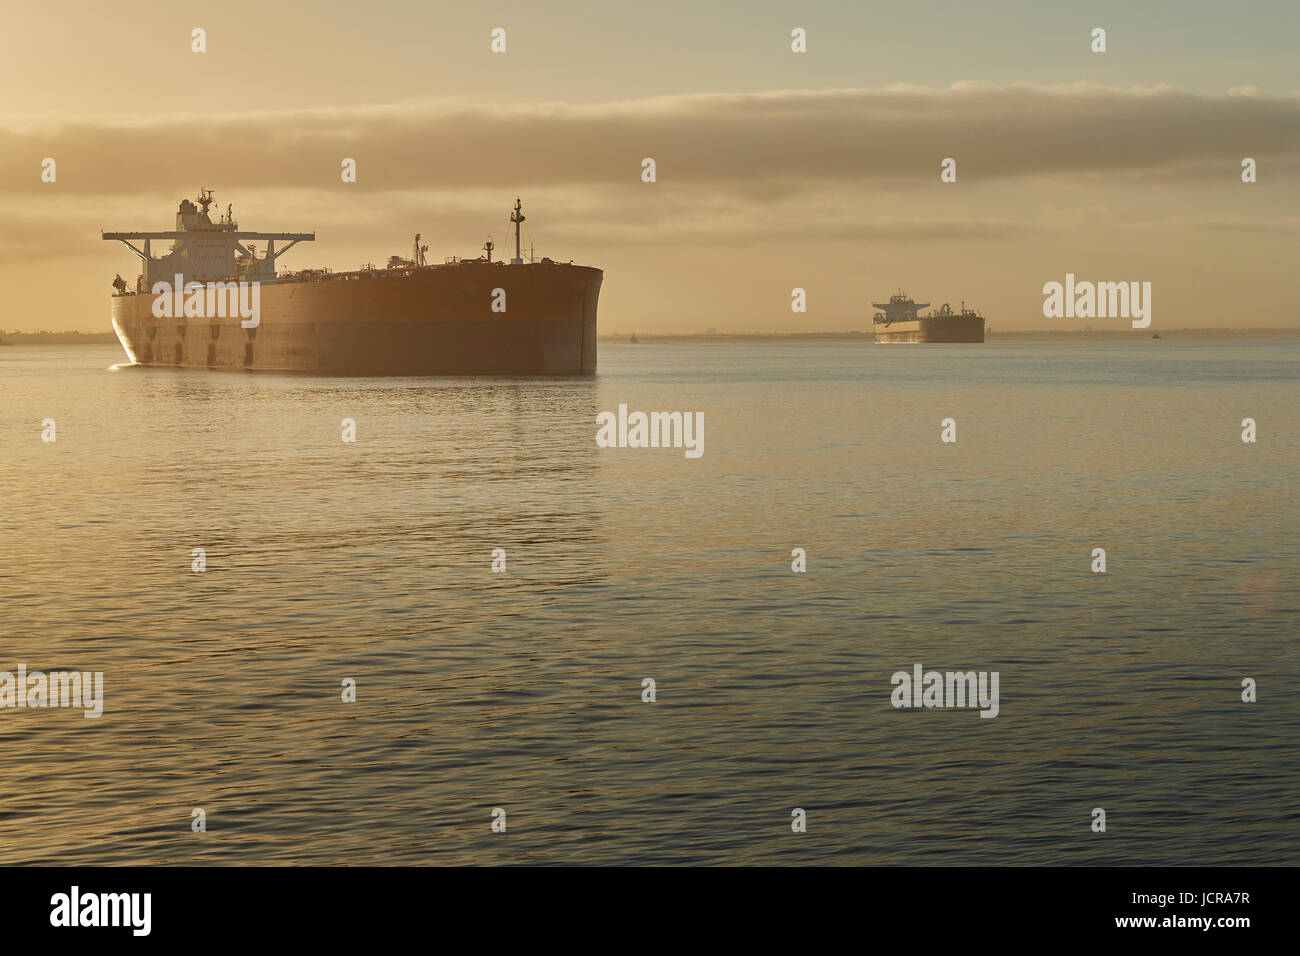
<point x="901" y="321"/>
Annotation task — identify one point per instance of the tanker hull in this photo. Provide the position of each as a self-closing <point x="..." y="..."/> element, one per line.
<point x="957" y="328"/>
<point x="427" y="321"/>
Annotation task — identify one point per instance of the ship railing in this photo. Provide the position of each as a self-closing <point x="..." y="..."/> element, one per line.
<point x="312" y="275"/>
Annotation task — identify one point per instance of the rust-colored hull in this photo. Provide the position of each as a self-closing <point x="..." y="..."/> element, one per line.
<point x="954" y="328"/>
<point x="436" y="321"/>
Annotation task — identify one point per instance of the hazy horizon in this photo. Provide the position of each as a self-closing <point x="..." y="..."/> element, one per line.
<point x="775" y="170"/>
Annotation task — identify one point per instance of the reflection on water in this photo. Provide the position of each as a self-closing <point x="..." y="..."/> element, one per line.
<point x="328" y="560"/>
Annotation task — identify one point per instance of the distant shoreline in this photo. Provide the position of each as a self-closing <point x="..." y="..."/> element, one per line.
<point x="58" y="338"/>
<point x="110" y="338"/>
<point x="645" y="337"/>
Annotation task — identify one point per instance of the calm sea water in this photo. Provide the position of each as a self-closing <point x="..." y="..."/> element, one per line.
<point x="371" y="561"/>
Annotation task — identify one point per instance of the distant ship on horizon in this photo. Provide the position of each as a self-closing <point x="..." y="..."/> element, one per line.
<point x="463" y="316"/>
<point x="901" y="321"/>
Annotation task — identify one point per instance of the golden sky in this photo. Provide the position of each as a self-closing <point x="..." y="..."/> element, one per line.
<point x="775" y="170"/>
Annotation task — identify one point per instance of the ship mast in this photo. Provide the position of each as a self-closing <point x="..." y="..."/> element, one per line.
<point x="517" y="217"/>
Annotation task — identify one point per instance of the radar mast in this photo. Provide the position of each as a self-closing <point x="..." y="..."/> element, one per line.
<point x="517" y="216"/>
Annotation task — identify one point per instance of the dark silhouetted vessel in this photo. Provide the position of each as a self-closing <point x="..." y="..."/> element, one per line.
<point x="901" y="321"/>
<point x="464" y="316"/>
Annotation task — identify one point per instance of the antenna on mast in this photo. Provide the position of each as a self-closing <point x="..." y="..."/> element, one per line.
<point x="517" y="217"/>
